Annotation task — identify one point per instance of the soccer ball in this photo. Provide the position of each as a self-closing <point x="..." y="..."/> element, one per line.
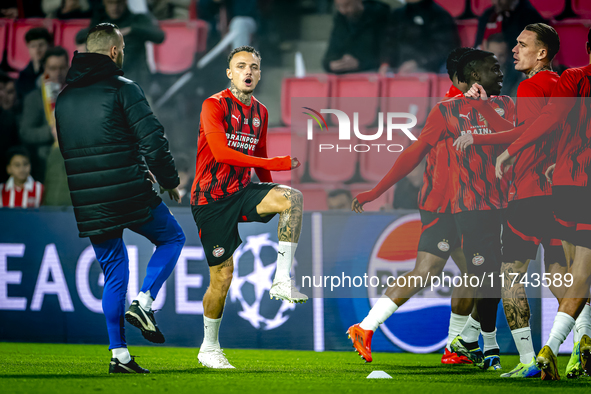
<point x="254" y="267"/>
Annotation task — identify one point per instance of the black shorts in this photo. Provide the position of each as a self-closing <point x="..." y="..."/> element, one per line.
<point x="438" y="234"/>
<point x="218" y="221"/>
<point x="529" y="223"/>
<point x="480" y="236"/>
<point x="573" y="213"/>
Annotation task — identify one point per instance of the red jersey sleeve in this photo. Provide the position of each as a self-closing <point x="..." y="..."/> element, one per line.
<point x="261" y="151"/>
<point x="530" y="101"/>
<point x="212" y="116"/>
<point x="434" y="127"/>
<point x="560" y="104"/>
<point x="496" y="121"/>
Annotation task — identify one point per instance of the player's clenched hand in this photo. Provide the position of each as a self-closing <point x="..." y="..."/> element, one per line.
<point x="174" y="194"/>
<point x="295" y="163"/>
<point x="463" y="142"/>
<point x="502" y="162"/>
<point x="550" y="172"/>
<point x="476" y="91"/>
<point x="356" y="206"/>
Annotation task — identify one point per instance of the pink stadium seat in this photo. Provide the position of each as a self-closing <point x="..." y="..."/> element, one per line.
<point x="65" y="33"/>
<point x="582" y="8"/>
<point x="18" y="54"/>
<point x="479" y="6"/>
<point x="384" y="202"/>
<point x="442" y="86"/>
<point x="549" y="8"/>
<point x="330" y="165"/>
<point x="573" y="36"/>
<point x="408" y="94"/>
<point x="282" y="142"/>
<point x="373" y="165"/>
<point x="314" y="196"/>
<point x="310" y="86"/>
<point x="3" y="36"/>
<point x="202" y="30"/>
<point x="357" y="85"/>
<point x="177" y="52"/>
<point x="454" y="7"/>
<point x="467" y="30"/>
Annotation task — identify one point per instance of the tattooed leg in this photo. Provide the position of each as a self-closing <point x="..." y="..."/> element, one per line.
<point x="515" y="301"/>
<point x="220" y="278"/>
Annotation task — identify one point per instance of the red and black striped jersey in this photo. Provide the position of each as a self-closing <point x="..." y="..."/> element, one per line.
<point x="246" y="132"/>
<point x="472" y="181"/>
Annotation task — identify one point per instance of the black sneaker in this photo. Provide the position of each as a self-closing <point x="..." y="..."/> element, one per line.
<point x="117" y="366"/>
<point x="138" y="317"/>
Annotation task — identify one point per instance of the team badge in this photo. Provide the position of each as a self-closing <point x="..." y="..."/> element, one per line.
<point x="256" y="122"/>
<point x="443" y="246"/>
<point x="478" y="260"/>
<point x="500" y="111"/>
<point x="218" y="252"/>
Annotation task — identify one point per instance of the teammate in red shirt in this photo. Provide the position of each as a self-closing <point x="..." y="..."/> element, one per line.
<point x="438" y="241"/>
<point x="20" y="190"/>
<point x="571" y="193"/>
<point x="530" y="219"/>
<point x="232" y="140"/>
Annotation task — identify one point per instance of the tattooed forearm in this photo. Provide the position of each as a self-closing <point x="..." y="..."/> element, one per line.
<point x="515" y="301"/>
<point x="290" y="220"/>
<point x="243" y="97"/>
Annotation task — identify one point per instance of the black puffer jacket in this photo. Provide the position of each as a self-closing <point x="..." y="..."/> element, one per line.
<point x="105" y="127"/>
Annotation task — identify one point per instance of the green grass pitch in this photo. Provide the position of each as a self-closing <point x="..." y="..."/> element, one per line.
<point x="63" y="369"/>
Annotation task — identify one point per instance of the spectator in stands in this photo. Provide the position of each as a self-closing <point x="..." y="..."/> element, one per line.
<point x="57" y="192"/>
<point x="81" y="40"/>
<point x="8" y="124"/>
<point x="38" y="119"/>
<point x="357" y="34"/>
<point x="497" y="45"/>
<point x="339" y="199"/>
<point x="169" y="9"/>
<point x="9" y="100"/>
<point x="38" y="39"/>
<point x="20" y="190"/>
<point x="67" y="9"/>
<point x="137" y="30"/>
<point x="26" y="9"/>
<point x="418" y="38"/>
<point x="406" y="195"/>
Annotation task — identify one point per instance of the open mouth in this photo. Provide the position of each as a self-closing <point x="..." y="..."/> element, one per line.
<point x="248" y="81"/>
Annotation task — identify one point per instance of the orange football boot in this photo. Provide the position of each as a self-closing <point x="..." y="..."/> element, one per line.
<point x="361" y="341"/>
<point x="454" y="358"/>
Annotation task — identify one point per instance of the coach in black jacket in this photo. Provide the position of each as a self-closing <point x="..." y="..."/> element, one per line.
<point x="106" y="130"/>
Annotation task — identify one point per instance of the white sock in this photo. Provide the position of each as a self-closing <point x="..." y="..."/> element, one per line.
<point x="456" y="325"/>
<point x="563" y="323"/>
<point x="489" y="340"/>
<point x="285" y="253"/>
<point x="382" y="310"/>
<point x="211" y="328"/>
<point x="471" y="330"/>
<point x="145" y="300"/>
<point x="121" y="354"/>
<point x="583" y="323"/>
<point x="525" y="346"/>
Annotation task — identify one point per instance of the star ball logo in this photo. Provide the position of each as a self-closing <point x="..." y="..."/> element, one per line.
<point x="392" y="125"/>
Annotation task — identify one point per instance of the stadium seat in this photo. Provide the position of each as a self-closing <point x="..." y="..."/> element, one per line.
<point x="383" y="202"/>
<point x="65" y="33"/>
<point x="310" y="86"/>
<point x="330" y="165"/>
<point x="176" y="54"/>
<point x="549" y="8"/>
<point x="443" y="84"/>
<point x="467" y="30"/>
<point x="17" y="52"/>
<point x="373" y="165"/>
<point x="479" y="6"/>
<point x="314" y="196"/>
<point x="282" y="142"/>
<point x="454" y="7"/>
<point x="3" y="37"/>
<point x="410" y="93"/>
<point x="357" y="85"/>
<point x="573" y="36"/>
<point x="202" y="31"/>
<point x="582" y="8"/>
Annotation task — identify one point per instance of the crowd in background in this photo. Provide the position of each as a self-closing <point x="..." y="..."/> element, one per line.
<point x="383" y="36"/>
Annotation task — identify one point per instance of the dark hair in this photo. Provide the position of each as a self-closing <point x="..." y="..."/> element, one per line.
<point x="497" y="37"/>
<point x="5" y="78"/>
<point x="338" y="192"/>
<point x="81" y="36"/>
<point x="55" y="51"/>
<point x="589" y="36"/>
<point x="108" y="28"/>
<point x="17" y="150"/>
<point x="37" y="33"/>
<point x="469" y="61"/>
<point x="453" y="58"/>
<point x="245" y="48"/>
<point x="547" y="37"/>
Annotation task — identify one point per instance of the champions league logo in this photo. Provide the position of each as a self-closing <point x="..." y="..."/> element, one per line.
<point x="420" y="325"/>
<point x="254" y="267"/>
